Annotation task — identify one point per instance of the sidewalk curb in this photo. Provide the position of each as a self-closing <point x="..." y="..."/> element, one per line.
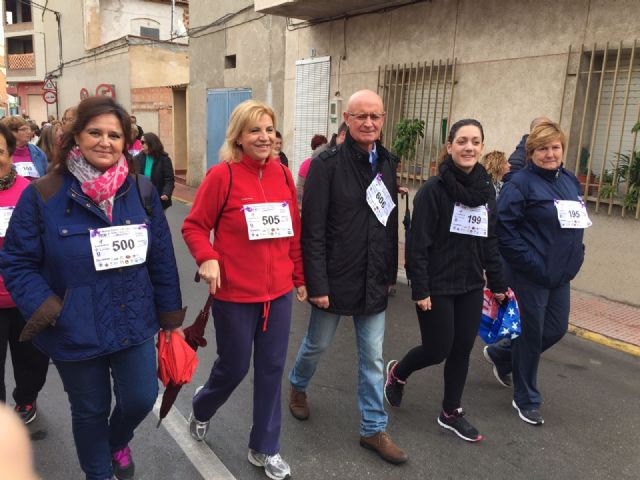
<point x="182" y="200"/>
<point x="629" y="348"/>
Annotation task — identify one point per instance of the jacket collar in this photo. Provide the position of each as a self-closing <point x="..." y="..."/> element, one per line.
<point x="254" y="166"/>
<point x="75" y="193"/>
<point x="548" y="175"/>
<point x="360" y="153"/>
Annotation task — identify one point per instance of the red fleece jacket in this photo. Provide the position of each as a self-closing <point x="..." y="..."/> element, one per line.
<point x="250" y="270"/>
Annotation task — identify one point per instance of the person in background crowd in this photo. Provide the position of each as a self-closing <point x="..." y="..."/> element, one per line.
<point x="136" y="145"/>
<point x="452" y="245"/>
<point x="16" y="456"/>
<point x="134" y="121"/>
<point x="28" y="160"/>
<point x="94" y="309"/>
<point x="251" y="276"/>
<point x="541" y="222"/>
<point x="35" y="132"/>
<point x="154" y="162"/>
<point x="497" y="166"/>
<point x="29" y="364"/>
<point x="518" y="159"/>
<point x="68" y="117"/>
<point x="49" y="138"/>
<point x="277" y="150"/>
<point x="316" y="142"/>
<point x="51" y="118"/>
<point x="350" y="251"/>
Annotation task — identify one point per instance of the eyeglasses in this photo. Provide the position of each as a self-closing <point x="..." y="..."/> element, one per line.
<point x="362" y="117"/>
<point x="24" y="129"/>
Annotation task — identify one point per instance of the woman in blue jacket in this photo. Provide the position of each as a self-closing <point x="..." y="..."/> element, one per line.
<point x="88" y="260"/>
<point x="541" y="221"/>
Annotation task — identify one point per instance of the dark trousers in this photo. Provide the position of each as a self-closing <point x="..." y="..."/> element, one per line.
<point x="239" y="330"/>
<point x="544" y="317"/>
<point x="448" y="332"/>
<point x="97" y="430"/>
<point x="30" y="365"/>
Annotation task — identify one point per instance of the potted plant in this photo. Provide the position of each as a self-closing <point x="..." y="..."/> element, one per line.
<point x="404" y="145"/>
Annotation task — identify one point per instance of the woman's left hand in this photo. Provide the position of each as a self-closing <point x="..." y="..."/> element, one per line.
<point x="301" y="293"/>
<point x="164" y="197"/>
<point x="167" y="333"/>
<point x="500" y="296"/>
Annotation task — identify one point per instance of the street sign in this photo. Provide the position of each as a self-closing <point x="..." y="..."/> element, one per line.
<point x="50" y="96"/>
<point x="84" y="93"/>
<point x="106" y="90"/>
<point x="49" y="85"/>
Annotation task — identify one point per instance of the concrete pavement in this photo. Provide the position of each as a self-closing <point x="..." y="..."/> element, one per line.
<point x="592" y="430"/>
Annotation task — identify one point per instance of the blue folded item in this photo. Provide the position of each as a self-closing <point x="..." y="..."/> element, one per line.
<point x="499" y="321"/>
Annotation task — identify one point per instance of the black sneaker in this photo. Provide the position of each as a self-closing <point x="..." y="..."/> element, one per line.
<point x="458" y="425"/>
<point x="503" y="378"/>
<point x="393" y="387"/>
<point x="27" y="412"/>
<point x="531" y="416"/>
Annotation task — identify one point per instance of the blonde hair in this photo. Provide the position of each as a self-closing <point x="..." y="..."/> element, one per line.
<point x="543" y="133"/>
<point x="247" y="112"/>
<point x="493" y="162"/>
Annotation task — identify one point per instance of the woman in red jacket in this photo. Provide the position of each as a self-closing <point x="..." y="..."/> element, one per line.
<point x="249" y="201"/>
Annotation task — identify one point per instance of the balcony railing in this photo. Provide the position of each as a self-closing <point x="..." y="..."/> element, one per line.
<point x="315" y="9"/>
<point x="21" y="61"/>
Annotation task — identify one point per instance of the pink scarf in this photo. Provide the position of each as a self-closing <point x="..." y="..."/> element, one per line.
<point x="101" y="187"/>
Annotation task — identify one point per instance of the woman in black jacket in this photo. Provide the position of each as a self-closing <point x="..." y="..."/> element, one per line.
<point x="452" y="245"/>
<point x="154" y="163"/>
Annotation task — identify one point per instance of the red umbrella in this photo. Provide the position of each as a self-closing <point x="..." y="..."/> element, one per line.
<point x="194" y="338"/>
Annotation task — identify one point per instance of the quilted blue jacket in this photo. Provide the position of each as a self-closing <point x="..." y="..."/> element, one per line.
<point x="74" y="311"/>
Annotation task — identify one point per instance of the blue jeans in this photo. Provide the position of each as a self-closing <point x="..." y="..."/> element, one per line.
<point x="96" y="430"/>
<point x="369" y="338"/>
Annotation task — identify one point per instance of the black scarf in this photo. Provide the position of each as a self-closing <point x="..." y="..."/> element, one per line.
<point x="471" y="189"/>
<point x="8" y="180"/>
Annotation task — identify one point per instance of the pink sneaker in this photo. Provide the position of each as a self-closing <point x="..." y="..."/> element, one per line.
<point x="122" y="464"/>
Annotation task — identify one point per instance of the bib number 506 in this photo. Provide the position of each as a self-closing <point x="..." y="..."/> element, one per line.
<point x="270" y="220"/>
<point x="118" y="245"/>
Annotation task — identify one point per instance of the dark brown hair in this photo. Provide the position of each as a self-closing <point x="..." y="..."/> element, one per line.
<point x="318" y="140"/>
<point x="88" y="109"/>
<point x="154" y="145"/>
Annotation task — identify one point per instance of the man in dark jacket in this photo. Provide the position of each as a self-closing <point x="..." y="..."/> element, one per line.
<point x="350" y="252"/>
<point x="518" y="159"/>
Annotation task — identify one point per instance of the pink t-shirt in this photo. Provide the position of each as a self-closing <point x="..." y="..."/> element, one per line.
<point x="9" y="198"/>
<point x="303" y="171"/>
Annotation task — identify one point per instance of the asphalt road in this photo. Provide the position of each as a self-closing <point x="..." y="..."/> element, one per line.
<point x="591" y="409"/>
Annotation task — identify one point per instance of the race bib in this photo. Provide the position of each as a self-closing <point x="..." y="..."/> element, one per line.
<point x="379" y="200"/>
<point x="121" y="246"/>
<point x="268" y="220"/>
<point x="470" y="221"/>
<point x="5" y="216"/>
<point x="26" y="169"/>
<point x="572" y="214"/>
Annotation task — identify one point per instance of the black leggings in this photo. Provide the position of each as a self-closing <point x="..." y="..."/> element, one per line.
<point x="448" y="332"/>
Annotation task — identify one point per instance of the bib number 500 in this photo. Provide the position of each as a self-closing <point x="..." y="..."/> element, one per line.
<point x="118" y="245"/>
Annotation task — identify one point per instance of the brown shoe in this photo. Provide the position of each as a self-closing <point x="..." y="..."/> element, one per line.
<point x="382" y="444"/>
<point x="298" y="404"/>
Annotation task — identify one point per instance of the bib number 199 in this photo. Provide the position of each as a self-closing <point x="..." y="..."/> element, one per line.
<point x="475" y="219"/>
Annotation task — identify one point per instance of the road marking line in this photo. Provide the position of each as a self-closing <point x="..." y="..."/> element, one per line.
<point x="182" y="200"/>
<point x="199" y="453"/>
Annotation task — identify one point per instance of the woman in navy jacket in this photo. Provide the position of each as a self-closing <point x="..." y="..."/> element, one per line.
<point x="541" y="221"/>
<point x="93" y="311"/>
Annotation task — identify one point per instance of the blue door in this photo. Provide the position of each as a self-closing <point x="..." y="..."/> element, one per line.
<point x="220" y="104"/>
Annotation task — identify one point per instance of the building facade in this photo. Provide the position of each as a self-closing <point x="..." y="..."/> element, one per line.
<point x="135" y="51"/>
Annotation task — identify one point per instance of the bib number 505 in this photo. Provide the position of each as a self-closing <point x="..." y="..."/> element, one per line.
<point x="270" y="220"/>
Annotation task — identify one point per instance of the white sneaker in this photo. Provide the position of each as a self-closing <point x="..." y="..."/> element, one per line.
<point x="197" y="428"/>
<point x="274" y="466"/>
